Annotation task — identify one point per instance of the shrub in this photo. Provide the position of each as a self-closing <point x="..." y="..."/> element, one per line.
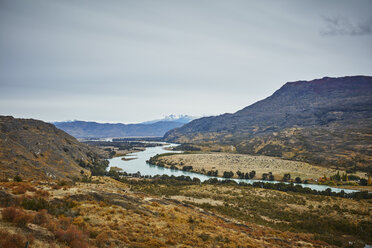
<point x="191" y="220"/>
<point x="9" y="240"/>
<point x="62" y="207"/>
<point x="9" y="213"/>
<point x="7" y="200"/>
<point x="42" y="193"/>
<point x="41" y="217"/>
<point x="22" y="188"/>
<point x="103" y="239"/>
<point x="17" y="178"/>
<point x="72" y="237"/>
<point x="99" y="168"/>
<point x="17" y="216"/>
<point x="204" y="236"/>
<point x="62" y="183"/>
<point x="79" y="221"/>
<point x="86" y="179"/>
<point x="35" y="204"/>
<point x="64" y="222"/>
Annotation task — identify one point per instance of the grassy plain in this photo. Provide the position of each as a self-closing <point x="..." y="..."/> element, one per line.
<point x="204" y="162"/>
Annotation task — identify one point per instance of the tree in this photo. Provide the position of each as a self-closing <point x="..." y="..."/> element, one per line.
<point x="363" y="182"/>
<point x="344" y="177"/>
<point x="187" y="168"/>
<point x="212" y="173"/>
<point x="286" y="177"/>
<point x="265" y="176"/>
<point x="271" y="177"/>
<point x="252" y="174"/>
<point x="298" y="180"/>
<point x="240" y="174"/>
<point x="228" y="174"/>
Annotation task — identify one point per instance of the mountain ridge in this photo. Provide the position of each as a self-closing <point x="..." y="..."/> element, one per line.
<point x="303" y="120"/>
<point x="90" y="129"/>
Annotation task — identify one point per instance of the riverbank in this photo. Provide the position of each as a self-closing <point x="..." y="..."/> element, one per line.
<point x="361" y="188"/>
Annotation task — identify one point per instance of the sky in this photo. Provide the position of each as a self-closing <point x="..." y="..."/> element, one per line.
<point x="133" y="61"/>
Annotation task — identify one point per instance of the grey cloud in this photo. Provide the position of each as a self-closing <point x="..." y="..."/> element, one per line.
<point x="131" y="61"/>
<point x="341" y="25"/>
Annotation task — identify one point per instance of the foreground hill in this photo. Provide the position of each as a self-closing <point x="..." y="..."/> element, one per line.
<point x="102" y="212"/>
<point x="325" y="121"/>
<point x="84" y="129"/>
<point x="33" y="148"/>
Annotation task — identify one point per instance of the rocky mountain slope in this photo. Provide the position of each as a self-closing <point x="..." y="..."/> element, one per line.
<point x="33" y="148"/>
<point x="84" y="129"/>
<point x="324" y="121"/>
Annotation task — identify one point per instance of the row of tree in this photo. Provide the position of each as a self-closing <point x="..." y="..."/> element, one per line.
<point x="287" y="178"/>
<point x="247" y="175"/>
<point x="186" y="180"/>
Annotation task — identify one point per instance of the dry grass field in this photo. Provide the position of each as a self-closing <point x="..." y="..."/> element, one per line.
<point x="108" y="213"/>
<point x="245" y="163"/>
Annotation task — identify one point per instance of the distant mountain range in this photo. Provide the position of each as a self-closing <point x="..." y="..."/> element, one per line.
<point x="176" y="118"/>
<point x="35" y="149"/>
<point x="325" y="121"/>
<point x="156" y="128"/>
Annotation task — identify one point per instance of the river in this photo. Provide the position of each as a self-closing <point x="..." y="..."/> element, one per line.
<point x="139" y="165"/>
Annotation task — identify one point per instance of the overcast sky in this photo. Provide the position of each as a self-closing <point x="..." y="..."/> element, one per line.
<point x="132" y="61"/>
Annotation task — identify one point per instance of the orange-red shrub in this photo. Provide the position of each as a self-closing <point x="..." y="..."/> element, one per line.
<point x="21" y="188"/>
<point x="72" y="237"/>
<point x="9" y="240"/>
<point x="64" y="222"/>
<point x="42" y="217"/>
<point x="17" y="216"/>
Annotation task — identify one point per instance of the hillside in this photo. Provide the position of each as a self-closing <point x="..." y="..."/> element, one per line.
<point x="84" y="129"/>
<point x="104" y="212"/>
<point x="324" y="121"/>
<point x="36" y="149"/>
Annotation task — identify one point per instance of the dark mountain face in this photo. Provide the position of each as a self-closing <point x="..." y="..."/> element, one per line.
<point x="324" y="121"/>
<point x="37" y="149"/>
<point x="83" y="129"/>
